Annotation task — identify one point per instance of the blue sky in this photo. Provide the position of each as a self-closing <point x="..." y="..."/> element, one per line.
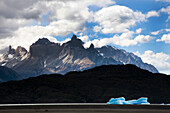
<point x="153" y="24"/>
<point x="138" y="26"/>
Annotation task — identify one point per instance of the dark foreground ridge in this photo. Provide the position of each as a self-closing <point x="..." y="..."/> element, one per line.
<point x="95" y="85"/>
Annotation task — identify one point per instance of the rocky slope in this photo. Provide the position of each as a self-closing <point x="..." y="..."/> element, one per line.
<point x="45" y="57"/>
<point x="125" y="57"/>
<point x="95" y="85"/>
<point x="7" y="74"/>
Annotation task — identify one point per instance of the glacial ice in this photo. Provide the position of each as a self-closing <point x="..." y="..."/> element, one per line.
<point x="121" y="100"/>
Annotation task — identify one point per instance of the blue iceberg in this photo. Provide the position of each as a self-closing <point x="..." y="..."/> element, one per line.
<point x="121" y="100"/>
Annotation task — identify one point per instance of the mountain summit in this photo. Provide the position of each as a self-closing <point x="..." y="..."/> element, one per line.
<point x="74" y="42"/>
<point x="45" y="57"/>
<point x="42" y="41"/>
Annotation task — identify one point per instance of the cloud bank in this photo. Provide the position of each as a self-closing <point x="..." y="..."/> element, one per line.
<point x="121" y="17"/>
<point x="159" y="60"/>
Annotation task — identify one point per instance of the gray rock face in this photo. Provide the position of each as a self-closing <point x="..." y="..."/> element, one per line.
<point x="45" y="57"/>
<point x="12" y="57"/>
<point x="125" y="57"/>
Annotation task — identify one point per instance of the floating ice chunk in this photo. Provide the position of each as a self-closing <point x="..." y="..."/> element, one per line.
<point x="121" y="100"/>
<point x="138" y="101"/>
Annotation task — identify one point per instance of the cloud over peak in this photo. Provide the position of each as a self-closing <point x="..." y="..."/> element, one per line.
<point x="124" y="40"/>
<point x="121" y="17"/>
<point x="159" y="60"/>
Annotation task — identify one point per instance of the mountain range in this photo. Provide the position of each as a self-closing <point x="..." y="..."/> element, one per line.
<point x="7" y="74"/>
<point x="96" y="85"/>
<point x="45" y="57"/>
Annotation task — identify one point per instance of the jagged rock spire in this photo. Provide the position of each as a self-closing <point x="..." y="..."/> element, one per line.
<point x="10" y="47"/>
<point x="92" y="49"/>
<point x="74" y="42"/>
<point x="11" y="50"/>
<point x="74" y="37"/>
<point x="20" y="51"/>
<point x="91" y="46"/>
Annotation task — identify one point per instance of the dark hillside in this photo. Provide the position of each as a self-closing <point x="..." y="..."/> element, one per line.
<point x="94" y="85"/>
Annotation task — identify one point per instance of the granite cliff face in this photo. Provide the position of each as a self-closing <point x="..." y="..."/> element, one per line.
<point x="45" y="57"/>
<point x="125" y="57"/>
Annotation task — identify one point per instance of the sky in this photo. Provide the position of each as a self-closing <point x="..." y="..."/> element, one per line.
<point x="137" y="26"/>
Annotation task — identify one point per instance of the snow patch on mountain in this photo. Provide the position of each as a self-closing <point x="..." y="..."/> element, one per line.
<point x="10" y="56"/>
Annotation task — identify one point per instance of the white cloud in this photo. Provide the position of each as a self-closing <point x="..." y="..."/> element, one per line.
<point x="7" y="25"/>
<point x="84" y="38"/>
<point x="166" y="10"/>
<point x="65" y="16"/>
<point x="155" y="32"/>
<point x="152" y="14"/>
<point x="162" y="0"/>
<point x="165" y="38"/>
<point x="159" y="60"/>
<point x="160" y="31"/>
<point x="19" y="13"/>
<point x="97" y="28"/>
<point x="138" y="31"/>
<point x="117" y="19"/>
<point x="125" y="39"/>
<point x="25" y="36"/>
<point x="64" y="27"/>
<point x="168" y="18"/>
<point x="143" y="38"/>
<point x="64" y="41"/>
<point x="76" y="10"/>
<point x="167" y="30"/>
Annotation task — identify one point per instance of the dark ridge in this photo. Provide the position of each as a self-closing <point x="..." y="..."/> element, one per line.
<point x="74" y="42"/>
<point x="95" y="85"/>
<point x="43" y="48"/>
<point x="42" y="41"/>
<point x="7" y="74"/>
<point x="74" y="37"/>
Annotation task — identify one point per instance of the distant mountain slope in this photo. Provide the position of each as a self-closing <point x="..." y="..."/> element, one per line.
<point x="94" y="85"/>
<point x="45" y="57"/>
<point x="7" y="74"/>
<point x="125" y="57"/>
